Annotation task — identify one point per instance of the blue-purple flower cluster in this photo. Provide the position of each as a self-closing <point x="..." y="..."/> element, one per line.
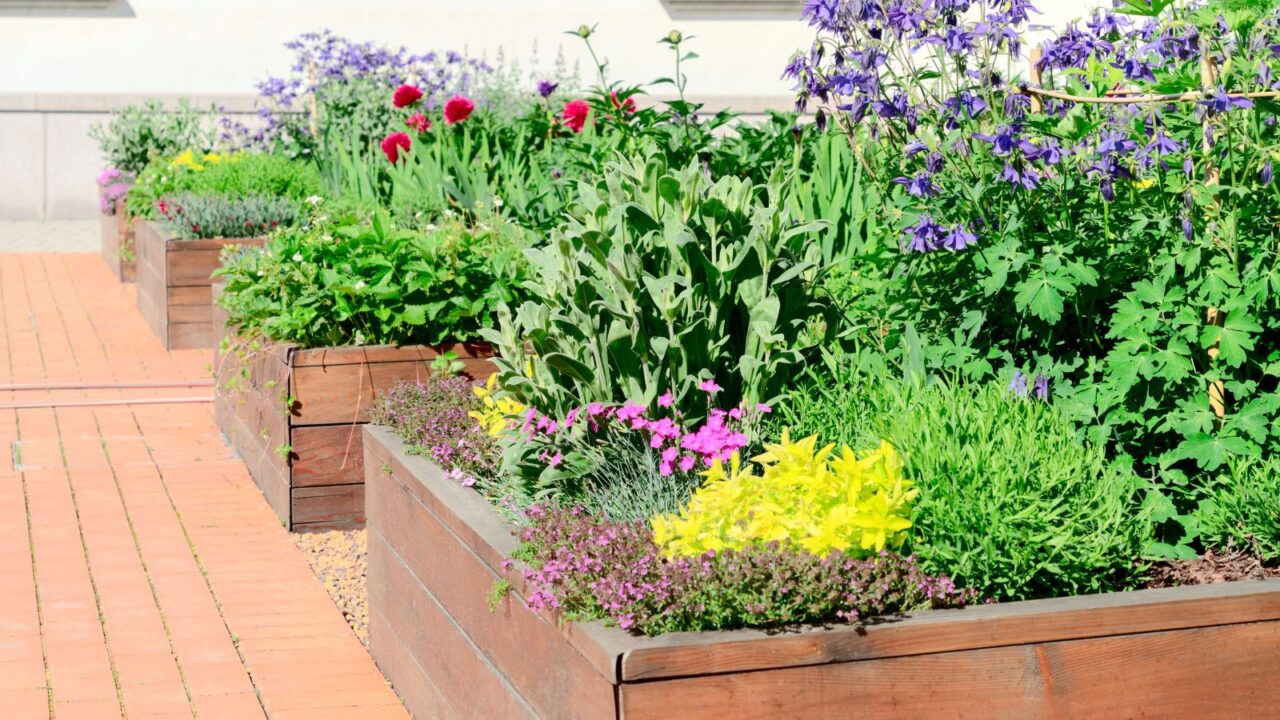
<point x="930" y="77"/>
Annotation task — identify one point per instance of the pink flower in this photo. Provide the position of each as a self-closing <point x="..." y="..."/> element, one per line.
<point x="418" y="122"/>
<point x="627" y="106"/>
<point x="687" y="462"/>
<point x="457" y="109"/>
<point x="405" y="96"/>
<point x="630" y="411"/>
<point x="709" y="386"/>
<point x="393" y="144"/>
<point x="666" y="399"/>
<point x="595" y="409"/>
<point x="736" y="413"/>
<point x="763" y="409"/>
<point x="667" y="465"/>
<point x="575" y="114"/>
<point x="556" y="460"/>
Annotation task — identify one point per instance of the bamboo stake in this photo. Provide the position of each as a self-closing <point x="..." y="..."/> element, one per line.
<point x="313" y="109"/>
<point x="1208" y="80"/>
<point x="1122" y="97"/>
<point x="1037" y="103"/>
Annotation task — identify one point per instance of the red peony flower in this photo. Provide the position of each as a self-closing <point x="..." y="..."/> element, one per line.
<point x="457" y="109"/>
<point x="406" y="95"/>
<point x="393" y="144"/>
<point x="627" y="106"/>
<point x="575" y="114"/>
<point x="418" y="122"/>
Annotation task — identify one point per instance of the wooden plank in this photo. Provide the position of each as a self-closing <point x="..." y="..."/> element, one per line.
<point x="327" y="455"/>
<point x="335" y="394"/>
<point x="953" y="630"/>
<point x="1222" y="672"/>
<point x="252" y="417"/>
<point x="195" y="295"/>
<point x="416" y="626"/>
<point x="357" y="354"/>
<point x="189" y="335"/>
<point x="152" y="278"/>
<point x="529" y="652"/>
<point x="411" y="683"/>
<point x="188" y="267"/>
<point x="327" y="506"/>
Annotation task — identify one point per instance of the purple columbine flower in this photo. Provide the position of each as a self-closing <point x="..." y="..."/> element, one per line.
<point x="1188" y="166"/>
<point x="1222" y="102"/>
<point x="1003" y="141"/>
<point x="925" y="235"/>
<point x="1265" y="174"/>
<point x="1163" y="145"/>
<point x="1188" y="229"/>
<point x="1018" y="385"/>
<point x="918" y="185"/>
<point x="1040" y="388"/>
<point x="1115" y="143"/>
<point x="959" y="238"/>
<point x="546" y="87"/>
<point x="823" y="14"/>
<point x="1108" y="190"/>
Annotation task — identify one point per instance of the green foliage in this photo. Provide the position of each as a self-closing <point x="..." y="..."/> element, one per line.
<point x="138" y="134"/>
<point x="1239" y="506"/>
<point x="624" y="483"/>
<point x="661" y="278"/>
<point x="348" y="282"/>
<point x="236" y="174"/>
<point x="1011" y="502"/>
<point x="195" y="217"/>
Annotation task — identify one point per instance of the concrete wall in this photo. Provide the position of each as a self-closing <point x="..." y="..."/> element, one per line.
<point x="67" y="62"/>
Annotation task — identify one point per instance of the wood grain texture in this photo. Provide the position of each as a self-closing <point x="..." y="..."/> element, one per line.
<point x="249" y="411"/>
<point x="327" y="507"/>
<point x="951" y="630"/>
<point x="539" y="669"/>
<point x="1225" y="671"/>
<point x="359" y="354"/>
<point x="345" y="392"/>
<point x="117" y="232"/>
<point x="327" y="455"/>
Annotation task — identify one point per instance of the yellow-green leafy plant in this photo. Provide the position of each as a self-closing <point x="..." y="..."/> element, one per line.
<point x="802" y="494"/>
<point x="497" y="409"/>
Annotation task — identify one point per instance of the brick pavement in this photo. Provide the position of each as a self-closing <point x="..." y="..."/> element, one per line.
<point x="143" y="574"/>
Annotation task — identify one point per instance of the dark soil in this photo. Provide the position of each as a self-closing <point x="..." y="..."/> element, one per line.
<point x="1212" y="567"/>
<point x="339" y="559"/>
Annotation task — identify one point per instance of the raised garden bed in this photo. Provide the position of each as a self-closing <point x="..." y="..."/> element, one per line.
<point x="117" y="240"/>
<point x="435" y="554"/>
<point x="294" y="417"/>
<point x="174" y="287"/>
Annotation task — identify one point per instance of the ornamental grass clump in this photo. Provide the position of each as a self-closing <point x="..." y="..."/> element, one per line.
<point x="857" y="504"/>
<point x="591" y="568"/>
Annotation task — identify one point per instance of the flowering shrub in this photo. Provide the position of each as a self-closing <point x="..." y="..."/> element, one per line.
<point x="434" y="417"/>
<point x="1111" y="225"/>
<point x="857" y="504"/>
<point x="347" y="281"/>
<point x="590" y="568"/>
<point x="114" y="186"/>
<point x="195" y="217"/>
<point x="211" y="173"/>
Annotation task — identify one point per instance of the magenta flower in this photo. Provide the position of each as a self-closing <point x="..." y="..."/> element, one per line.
<point x="709" y="386"/>
<point x="666" y="399"/>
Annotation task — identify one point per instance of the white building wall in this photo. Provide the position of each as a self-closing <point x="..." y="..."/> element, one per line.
<point x="63" y="68"/>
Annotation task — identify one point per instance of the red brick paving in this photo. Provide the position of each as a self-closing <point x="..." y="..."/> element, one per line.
<point x="144" y="575"/>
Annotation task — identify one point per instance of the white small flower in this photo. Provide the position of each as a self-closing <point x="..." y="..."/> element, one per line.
<point x="315" y="200"/>
<point x="431" y="227"/>
<point x="359" y="284"/>
<point x="497" y="202"/>
<point x="297" y="257"/>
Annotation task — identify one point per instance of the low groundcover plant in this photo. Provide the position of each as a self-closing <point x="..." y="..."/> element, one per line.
<point x="591" y="568"/>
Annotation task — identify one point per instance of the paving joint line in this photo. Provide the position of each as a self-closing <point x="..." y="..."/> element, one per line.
<point x="137" y="546"/>
<point x="35" y="577"/>
<point x="195" y="555"/>
<point x="88" y="566"/>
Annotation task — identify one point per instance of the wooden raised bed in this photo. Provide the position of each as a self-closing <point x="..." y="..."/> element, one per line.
<point x="174" y="293"/>
<point x="294" y="417"/>
<point x="435" y="550"/>
<point x="117" y="240"/>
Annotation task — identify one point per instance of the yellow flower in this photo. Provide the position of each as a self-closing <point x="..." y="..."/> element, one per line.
<point x="798" y="492"/>
<point x="497" y="410"/>
<point x="1144" y="183"/>
<point x="186" y="159"/>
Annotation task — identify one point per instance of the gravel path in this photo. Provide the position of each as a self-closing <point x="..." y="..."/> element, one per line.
<point x="339" y="558"/>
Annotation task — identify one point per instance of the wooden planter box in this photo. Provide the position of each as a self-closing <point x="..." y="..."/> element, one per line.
<point x="435" y="550"/>
<point x="117" y="241"/>
<point x="294" y="417"/>
<point x="174" y="293"/>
